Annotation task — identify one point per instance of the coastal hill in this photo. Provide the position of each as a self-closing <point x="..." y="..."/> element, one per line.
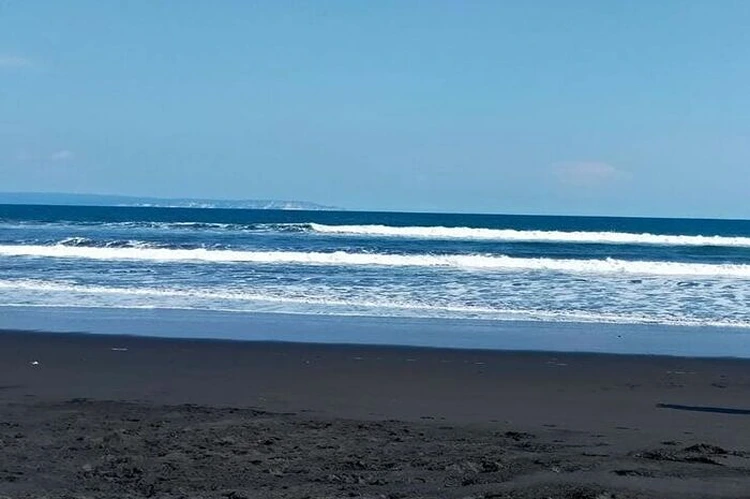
<point x="54" y="198"/>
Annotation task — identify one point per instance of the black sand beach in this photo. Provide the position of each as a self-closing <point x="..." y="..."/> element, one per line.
<point x="114" y="416"/>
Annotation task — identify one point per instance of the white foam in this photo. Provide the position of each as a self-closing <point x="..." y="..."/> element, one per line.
<point x="513" y="235"/>
<point x="76" y="241"/>
<point x="424" y="232"/>
<point x="340" y="258"/>
<point x="222" y="299"/>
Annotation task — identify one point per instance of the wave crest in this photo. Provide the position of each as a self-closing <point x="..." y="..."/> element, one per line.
<point x="513" y="235"/>
<point x="341" y="258"/>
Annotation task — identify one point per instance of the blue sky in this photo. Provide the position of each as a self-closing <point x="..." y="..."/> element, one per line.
<point x="580" y="107"/>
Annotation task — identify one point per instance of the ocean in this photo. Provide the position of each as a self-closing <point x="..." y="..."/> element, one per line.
<point x="450" y="267"/>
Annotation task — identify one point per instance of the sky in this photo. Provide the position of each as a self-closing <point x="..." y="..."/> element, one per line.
<point x="632" y="108"/>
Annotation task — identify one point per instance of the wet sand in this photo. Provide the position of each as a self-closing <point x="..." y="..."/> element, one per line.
<point x="116" y="416"/>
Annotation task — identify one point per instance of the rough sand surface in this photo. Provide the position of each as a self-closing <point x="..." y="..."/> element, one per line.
<point x="107" y="417"/>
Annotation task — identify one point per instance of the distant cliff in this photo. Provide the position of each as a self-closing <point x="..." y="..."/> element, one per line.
<point x="108" y="200"/>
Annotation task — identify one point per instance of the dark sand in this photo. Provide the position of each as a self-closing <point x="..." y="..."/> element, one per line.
<point x="126" y="417"/>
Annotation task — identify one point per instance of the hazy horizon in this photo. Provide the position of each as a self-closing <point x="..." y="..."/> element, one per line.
<point x="319" y="206"/>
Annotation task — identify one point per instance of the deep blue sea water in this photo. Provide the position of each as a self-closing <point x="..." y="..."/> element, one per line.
<point x="539" y="269"/>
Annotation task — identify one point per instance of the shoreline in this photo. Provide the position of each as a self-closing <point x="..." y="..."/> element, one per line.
<point x="125" y="337"/>
<point x="468" y="334"/>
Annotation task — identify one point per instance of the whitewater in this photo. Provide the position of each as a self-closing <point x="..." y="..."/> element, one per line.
<point x="532" y="235"/>
<point x="341" y="258"/>
<point x="399" y="265"/>
<point x="415" y="232"/>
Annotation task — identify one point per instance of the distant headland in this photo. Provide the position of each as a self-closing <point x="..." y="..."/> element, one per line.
<point x="55" y="198"/>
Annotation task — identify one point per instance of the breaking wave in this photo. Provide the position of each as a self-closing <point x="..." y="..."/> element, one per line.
<point x="513" y="235"/>
<point x="268" y="300"/>
<point x="341" y="258"/>
<point x="417" y="232"/>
